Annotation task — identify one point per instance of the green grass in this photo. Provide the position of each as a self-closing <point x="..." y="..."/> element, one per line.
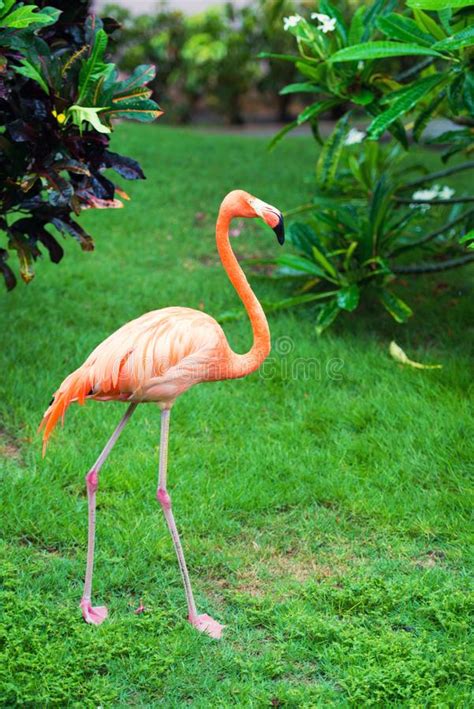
<point x="325" y="518"/>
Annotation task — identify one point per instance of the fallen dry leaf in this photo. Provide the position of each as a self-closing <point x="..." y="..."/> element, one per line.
<point x="399" y="355"/>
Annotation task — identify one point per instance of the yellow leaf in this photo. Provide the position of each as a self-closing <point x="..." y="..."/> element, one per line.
<point x="399" y="355"/>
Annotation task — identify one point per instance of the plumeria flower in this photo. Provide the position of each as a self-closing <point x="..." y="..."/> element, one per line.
<point x="425" y="195"/>
<point x="327" y="24"/>
<point x="446" y="192"/>
<point x="435" y="192"/>
<point x="354" y="136"/>
<point x="291" y="21"/>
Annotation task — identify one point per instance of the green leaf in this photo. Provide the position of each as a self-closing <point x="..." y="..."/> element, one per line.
<point x="295" y="300"/>
<point x="363" y="97"/>
<point x="328" y="161"/>
<point x="310" y="71"/>
<point x="284" y="57"/>
<point x="302" y="87"/>
<point x="466" y="238"/>
<point x="438" y="4"/>
<point x="81" y="114"/>
<point x="31" y="71"/>
<point x="380" y="50"/>
<point x="445" y="18"/>
<point x="327" y="8"/>
<point x="424" y="116"/>
<point x="25" y="257"/>
<point x="396" y="26"/>
<point x="300" y="264"/>
<point x="270" y="306"/>
<point x="348" y="298"/>
<point x="94" y="67"/>
<point x="404" y="103"/>
<point x="397" y="129"/>
<point x="316" y="108"/>
<point x="356" y="29"/>
<point x="399" y="310"/>
<point x="140" y="93"/>
<point x="426" y="23"/>
<point x="281" y="134"/>
<point x="374" y="10"/>
<point x="464" y="38"/>
<point x="136" y="109"/>
<point x="141" y="75"/>
<point x="5" y="6"/>
<point x="468" y="91"/>
<point x="29" y="15"/>
<point x="325" y="263"/>
<point x="326" y="316"/>
<point x="379" y="204"/>
<point x="302" y="237"/>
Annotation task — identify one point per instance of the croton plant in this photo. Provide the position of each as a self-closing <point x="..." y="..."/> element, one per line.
<point x="59" y="97"/>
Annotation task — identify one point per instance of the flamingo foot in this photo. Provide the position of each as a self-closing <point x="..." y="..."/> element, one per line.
<point x="205" y="624"/>
<point x="96" y="615"/>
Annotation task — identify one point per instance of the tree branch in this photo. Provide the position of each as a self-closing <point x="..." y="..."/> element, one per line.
<point x="414" y="69"/>
<point x="418" y="268"/>
<point x="433" y="234"/>
<point x="463" y="121"/>
<point x="441" y="173"/>
<point x="446" y="202"/>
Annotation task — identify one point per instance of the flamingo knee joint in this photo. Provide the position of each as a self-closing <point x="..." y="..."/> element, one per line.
<point x="92" y="481"/>
<point x="164" y="499"/>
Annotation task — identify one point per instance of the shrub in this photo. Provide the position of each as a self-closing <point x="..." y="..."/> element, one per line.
<point x="209" y="59"/>
<point x="58" y="99"/>
<point x="155" y="38"/>
<point x="366" y="215"/>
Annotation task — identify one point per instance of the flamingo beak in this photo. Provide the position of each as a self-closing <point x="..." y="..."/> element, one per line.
<point x="271" y="216"/>
<point x="279" y="230"/>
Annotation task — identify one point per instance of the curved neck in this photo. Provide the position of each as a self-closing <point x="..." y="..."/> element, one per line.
<point x="242" y="364"/>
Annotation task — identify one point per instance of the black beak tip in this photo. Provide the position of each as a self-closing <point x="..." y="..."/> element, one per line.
<point x="280" y="230"/>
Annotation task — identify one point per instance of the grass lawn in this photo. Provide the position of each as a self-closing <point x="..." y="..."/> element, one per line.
<point x="324" y="504"/>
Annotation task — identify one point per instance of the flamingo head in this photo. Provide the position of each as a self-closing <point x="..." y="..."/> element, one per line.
<point x="243" y="204"/>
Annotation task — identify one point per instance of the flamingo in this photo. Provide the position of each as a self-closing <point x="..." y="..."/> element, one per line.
<point x="156" y="358"/>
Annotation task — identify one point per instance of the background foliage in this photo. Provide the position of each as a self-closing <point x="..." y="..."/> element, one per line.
<point x="210" y="59"/>
<point x="334" y="541"/>
<point x="58" y="98"/>
<point x="376" y="206"/>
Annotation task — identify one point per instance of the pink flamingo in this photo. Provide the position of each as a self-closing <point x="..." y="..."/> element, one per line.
<point x="155" y="358"/>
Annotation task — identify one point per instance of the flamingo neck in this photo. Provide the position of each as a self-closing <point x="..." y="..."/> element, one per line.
<point x="249" y="362"/>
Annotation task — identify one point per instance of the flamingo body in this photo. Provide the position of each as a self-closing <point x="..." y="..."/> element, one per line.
<point x="155" y="358"/>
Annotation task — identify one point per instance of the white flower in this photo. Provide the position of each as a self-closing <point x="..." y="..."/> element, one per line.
<point x="436" y="192"/>
<point x="354" y="136"/>
<point x="425" y="195"/>
<point x="327" y="24"/>
<point x="446" y="192"/>
<point x="290" y="21"/>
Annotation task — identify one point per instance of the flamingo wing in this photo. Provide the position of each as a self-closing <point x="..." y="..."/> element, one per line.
<point x="152" y="358"/>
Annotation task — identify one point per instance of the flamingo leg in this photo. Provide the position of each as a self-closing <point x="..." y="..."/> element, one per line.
<point x="204" y="623"/>
<point x="98" y="614"/>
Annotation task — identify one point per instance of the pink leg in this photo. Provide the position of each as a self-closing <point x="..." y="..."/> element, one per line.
<point x="204" y="623"/>
<point x="98" y="614"/>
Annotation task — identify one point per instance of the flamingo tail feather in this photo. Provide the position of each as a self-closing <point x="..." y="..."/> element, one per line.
<point x="76" y="387"/>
